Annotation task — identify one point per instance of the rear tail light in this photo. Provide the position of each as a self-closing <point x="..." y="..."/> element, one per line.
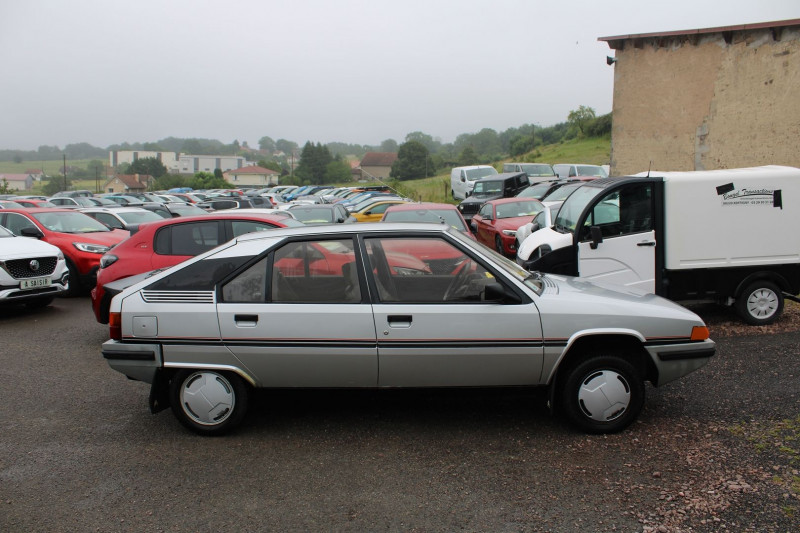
<point x="115" y="326"/>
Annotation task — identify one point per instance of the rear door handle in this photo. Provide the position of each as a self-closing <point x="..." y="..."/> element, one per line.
<point x="646" y="243"/>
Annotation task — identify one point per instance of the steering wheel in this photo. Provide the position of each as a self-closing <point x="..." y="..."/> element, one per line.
<point x="459" y="280"/>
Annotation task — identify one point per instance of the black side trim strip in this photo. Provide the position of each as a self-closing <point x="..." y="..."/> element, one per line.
<point x="134" y="356"/>
<point x="687" y="354"/>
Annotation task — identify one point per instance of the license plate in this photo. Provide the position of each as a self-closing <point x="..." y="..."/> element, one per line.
<point x="35" y="283"/>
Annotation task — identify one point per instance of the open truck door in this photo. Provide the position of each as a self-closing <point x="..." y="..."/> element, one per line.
<point x="617" y="242"/>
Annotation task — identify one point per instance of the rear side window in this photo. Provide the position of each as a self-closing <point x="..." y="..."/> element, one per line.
<point x="192" y="238"/>
<point x="240" y="227"/>
<point x="200" y="276"/>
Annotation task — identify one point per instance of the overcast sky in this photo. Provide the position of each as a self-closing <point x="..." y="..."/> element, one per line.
<point x="354" y="71"/>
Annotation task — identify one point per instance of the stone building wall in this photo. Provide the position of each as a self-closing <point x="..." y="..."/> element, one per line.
<point x="706" y="101"/>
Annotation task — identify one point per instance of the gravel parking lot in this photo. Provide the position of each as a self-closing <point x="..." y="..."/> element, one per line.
<point x="718" y="450"/>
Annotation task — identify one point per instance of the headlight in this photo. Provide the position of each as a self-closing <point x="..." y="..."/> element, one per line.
<point x="509" y="232"/>
<point x="91" y="248"/>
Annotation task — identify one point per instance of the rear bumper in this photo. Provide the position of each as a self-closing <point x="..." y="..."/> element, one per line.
<point x="136" y="361"/>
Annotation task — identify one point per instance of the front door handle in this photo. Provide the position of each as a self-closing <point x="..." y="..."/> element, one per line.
<point x="400" y="321"/>
<point x="646" y="243"/>
<point x="246" y="320"/>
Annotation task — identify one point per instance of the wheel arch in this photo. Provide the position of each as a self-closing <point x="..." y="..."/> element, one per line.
<point x="625" y="344"/>
<point x="763" y="275"/>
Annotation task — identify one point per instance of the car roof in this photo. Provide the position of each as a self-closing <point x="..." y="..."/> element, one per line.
<point x="511" y="200"/>
<point x="120" y="209"/>
<point x="413" y="206"/>
<point x="348" y="229"/>
<point x="246" y="214"/>
<point x="33" y="210"/>
<point x="501" y="176"/>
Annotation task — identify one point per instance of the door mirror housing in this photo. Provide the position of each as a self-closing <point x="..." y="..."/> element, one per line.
<point x="596" y="236"/>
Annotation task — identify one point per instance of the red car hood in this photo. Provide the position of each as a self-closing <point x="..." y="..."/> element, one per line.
<point x="108" y="238"/>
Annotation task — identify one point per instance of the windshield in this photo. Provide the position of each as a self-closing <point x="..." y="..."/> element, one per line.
<point x="488" y="188"/>
<point x="591" y="170"/>
<point x="561" y="193"/>
<point x="537" y="170"/>
<point x="69" y="222"/>
<point x="139" y="217"/>
<point x="525" y="208"/>
<point x="313" y="215"/>
<point x="572" y="208"/>
<point x="187" y="210"/>
<point x="439" y="216"/>
<point x="478" y="173"/>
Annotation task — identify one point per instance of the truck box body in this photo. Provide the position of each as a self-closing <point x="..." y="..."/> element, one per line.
<point x="722" y="235"/>
<point x="738" y="217"/>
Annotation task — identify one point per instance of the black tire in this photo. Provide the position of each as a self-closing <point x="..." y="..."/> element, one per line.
<point x="208" y="402"/>
<point x="75" y="288"/>
<point x="498" y="245"/>
<point x="760" y="303"/>
<point x="613" y="408"/>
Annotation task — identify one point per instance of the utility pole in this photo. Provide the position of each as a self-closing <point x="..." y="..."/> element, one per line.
<point x="65" y="172"/>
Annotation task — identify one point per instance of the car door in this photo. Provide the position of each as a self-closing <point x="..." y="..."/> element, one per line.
<point x="626" y="255"/>
<point x="433" y="327"/>
<point x="483" y="221"/>
<point x="298" y="317"/>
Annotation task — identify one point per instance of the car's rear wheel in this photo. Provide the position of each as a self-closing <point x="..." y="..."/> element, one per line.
<point x="208" y="402"/>
<point x="760" y="303"/>
<point x="602" y="394"/>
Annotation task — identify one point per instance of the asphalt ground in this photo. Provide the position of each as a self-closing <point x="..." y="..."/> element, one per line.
<point x="79" y="451"/>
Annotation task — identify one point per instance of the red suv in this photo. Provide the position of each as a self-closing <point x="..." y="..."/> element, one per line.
<point x="80" y="238"/>
<point x="168" y="242"/>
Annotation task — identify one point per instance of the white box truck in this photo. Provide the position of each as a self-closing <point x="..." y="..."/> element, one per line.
<point x="730" y="236"/>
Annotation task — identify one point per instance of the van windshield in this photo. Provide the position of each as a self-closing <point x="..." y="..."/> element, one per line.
<point x="534" y="170"/>
<point x="573" y="206"/>
<point x="478" y="173"/>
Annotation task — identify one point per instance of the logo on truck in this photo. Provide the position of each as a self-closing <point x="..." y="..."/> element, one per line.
<point x="733" y="196"/>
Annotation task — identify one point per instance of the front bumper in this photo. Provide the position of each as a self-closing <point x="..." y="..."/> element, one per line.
<point x="673" y="361"/>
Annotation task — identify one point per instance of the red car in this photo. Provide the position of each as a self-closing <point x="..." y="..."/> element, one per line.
<point x="497" y="221"/>
<point x="81" y="239"/>
<point x="167" y="242"/>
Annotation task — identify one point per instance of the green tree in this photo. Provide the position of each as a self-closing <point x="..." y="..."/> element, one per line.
<point x="267" y="144"/>
<point x="270" y="164"/>
<point x="338" y="171"/>
<point x="287" y="147"/>
<point x="521" y="145"/>
<point x="389" y="145"/>
<point x="580" y="117"/>
<point x="413" y="161"/>
<point x="148" y="165"/>
<point x="5" y="188"/>
<point x="426" y="140"/>
<point x="467" y="156"/>
<point x="55" y="184"/>
<point x="314" y="161"/>
<point x="170" y="181"/>
<point x="207" y="180"/>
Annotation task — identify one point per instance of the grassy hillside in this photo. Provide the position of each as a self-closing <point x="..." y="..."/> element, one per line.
<point x="594" y="151"/>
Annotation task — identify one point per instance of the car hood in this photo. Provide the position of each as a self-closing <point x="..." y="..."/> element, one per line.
<point x="108" y="238"/>
<point x="609" y="306"/>
<point x="480" y="199"/>
<point x="24" y="247"/>
<point x="512" y="223"/>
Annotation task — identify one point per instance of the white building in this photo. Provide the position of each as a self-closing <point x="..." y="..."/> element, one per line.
<point x="177" y="163"/>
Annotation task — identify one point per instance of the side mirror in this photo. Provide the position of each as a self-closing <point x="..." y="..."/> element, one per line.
<point x="463" y="179"/>
<point x="596" y="235"/>
<point x="32" y="232"/>
<point x="497" y="292"/>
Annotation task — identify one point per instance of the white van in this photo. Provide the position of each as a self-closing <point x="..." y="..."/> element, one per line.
<point x="462" y="179"/>
<point x="721" y="235"/>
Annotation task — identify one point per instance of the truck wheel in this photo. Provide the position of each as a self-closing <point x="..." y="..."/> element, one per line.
<point x="602" y="394"/>
<point x="208" y="402"/>
<point x="760" y="303"/>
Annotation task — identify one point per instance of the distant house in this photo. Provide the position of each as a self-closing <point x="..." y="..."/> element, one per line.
<point x="18" y="182"/>
<point x="36" y="173"/>
<point x="253" y="175"/>
<point x="377" y="164"/>
<point x="123" y="183"/>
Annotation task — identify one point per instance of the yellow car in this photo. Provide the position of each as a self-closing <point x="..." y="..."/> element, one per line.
<point x="373" y="212"/>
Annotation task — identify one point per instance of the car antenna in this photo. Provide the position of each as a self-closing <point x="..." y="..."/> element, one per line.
<point x="649" y="167"/>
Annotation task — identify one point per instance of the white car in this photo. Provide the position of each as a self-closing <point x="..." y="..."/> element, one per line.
<point x="32" y="272"/>
<point x="386" y="305"/>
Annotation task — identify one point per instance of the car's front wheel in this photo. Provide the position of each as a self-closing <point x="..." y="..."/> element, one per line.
<point x="602" y="394"/>
<point x="208" y="402"/>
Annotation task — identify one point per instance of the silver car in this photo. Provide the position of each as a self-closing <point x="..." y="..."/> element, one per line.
<point x="383" y="305"/>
